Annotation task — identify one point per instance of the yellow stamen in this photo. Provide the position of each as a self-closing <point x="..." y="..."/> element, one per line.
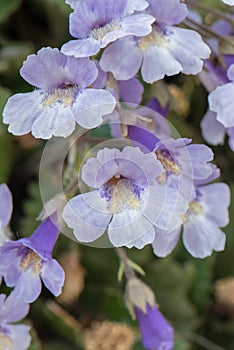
<point x="5" y="342"/>
<point x="154" y="38"/>
<point x="31" y="259"/>
<point x="62" y="95"/>
<point x="99" y="33"/>
<point x="168" y="164"/>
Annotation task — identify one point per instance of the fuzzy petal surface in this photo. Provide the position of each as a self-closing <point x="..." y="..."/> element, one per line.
<point x="53" y="276"/>
<point x="164" y="242"/>
<point x="167" y="11"/>
<point x="122" y="58"/>
<point x="212" y="130"/>
<point x="91" y="105"/>
<point x="87" y="215"/>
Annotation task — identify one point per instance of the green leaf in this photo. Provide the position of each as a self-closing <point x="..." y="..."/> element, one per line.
<point x="7" y="7"/>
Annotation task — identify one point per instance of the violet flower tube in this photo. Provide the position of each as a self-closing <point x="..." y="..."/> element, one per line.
<point x="157" y="333"/>
<point x="25" y="262"/>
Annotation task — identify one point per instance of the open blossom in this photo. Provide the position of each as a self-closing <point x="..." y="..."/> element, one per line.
<point x="13" y="336"/>
<point x="167" y="50"/>
<point x="5" y="210"/>
<point x="126" y="200"/>
<point x="156" y="331"/>
<point x="62" y="97"/>
<point x="25" y="262"/>
<point x="98" y="23"/>
<point x="207" y="212"/>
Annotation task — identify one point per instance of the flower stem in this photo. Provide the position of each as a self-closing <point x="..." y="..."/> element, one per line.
<point x="129" y="272"/>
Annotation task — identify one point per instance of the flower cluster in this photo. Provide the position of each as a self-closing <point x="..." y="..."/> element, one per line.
<point x="136" y="195"/>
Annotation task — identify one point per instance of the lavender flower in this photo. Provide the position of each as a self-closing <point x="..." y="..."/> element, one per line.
<point x="13" y="337"/>
<point x="207" y="212"/>
<point x="127" y="201"/>
<point x="156" y="332"/>
<point x="97" y="24"/>
<point x="5" y="210"/>
<point x="24" y="262"/>
<point x="167" y="50"/>
<point x="61" y="99"/>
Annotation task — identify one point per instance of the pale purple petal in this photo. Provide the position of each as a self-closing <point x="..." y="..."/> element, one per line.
<point x="91" y="105"/>
<point x="200" y="155"/>
<point x="87" y="215"/>
<point x="153" y="203"/>
<point x="55" y="120"/>
<point x="128" y="226"/>
<point x="158" y="62"/>
<point x="89" y="14"/>
<point x="28" y="106"/>
<point x="81" y="48"/>
<point x="138" y="25"/>
<point x="212" y="130"/>
<point x="102" y="168"/>
<point x="168" y="11"/>
<point x="201" y="237"/>
<point x="164" y="242"/>
<point x="131" y="91"/>
<point x="28" y="287"/>
<point x="188" y="48"/>
<point x="122" y="58"/>
<point x="174" y="207"/>
<point x="5" y="205"/>
<point x="53" y="276"/>
<point x="142" y="168"/>
<point x="217" y="199"/>
<point x="20" y="336"/>
<point x="37" y="70"/>
<point x="143" y="241"/>
<point x="221" y="102"/>
<point x="69" y="70"/>
<point x="131" y="164"/>
<point x="12" y="310"/>
<point x="135" y="5"/>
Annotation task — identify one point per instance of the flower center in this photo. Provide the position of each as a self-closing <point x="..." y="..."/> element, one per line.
<point x="195" y="207"/>
<point x="99" y="33"/>
<point x="64" y="95"/>
<point x="156" y="37"/>
<point x="5" y="341"/>
<point x="167" y="161"/>
<point x="121" y="194"/>
<point x="31" y="259"/>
